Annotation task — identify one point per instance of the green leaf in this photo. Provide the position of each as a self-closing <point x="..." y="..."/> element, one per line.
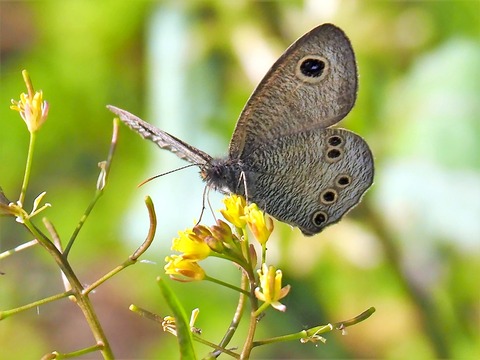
<point x="184" y="335"/>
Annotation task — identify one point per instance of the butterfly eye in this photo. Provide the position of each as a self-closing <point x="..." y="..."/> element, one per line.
<point x="343" y="181"/>
<point x="312" y="68"/>
<point x="328" y="196"/>
<point x="335" y="140"/>
<point x="319" y="218"/>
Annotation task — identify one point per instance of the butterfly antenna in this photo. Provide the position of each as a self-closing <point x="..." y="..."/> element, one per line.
<point x="203" y="204"/>
<point x="165" y="173"/>
<point x="210" y="204"/>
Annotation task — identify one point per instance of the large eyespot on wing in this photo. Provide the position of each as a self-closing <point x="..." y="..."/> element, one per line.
<point x="163" y="139"/>
<point x="312" y="69"/>
<point x="313" y="84"/>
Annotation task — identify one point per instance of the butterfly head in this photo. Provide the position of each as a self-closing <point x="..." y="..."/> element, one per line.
<point x="223" y="175"/>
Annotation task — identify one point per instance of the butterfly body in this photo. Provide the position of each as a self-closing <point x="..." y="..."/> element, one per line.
<point x="283" y="156"/>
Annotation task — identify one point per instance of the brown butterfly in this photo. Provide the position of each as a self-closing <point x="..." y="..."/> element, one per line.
<point x="283" y="156"/>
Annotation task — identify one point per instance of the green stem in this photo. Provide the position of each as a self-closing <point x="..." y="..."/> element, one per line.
<point x="145" y="313"/>
<point x="105" y="169"/>
<point x="80" y="224"/>
<point x="248" y="345"/>
<point x="82" y="300"/>
<point x="216" y="347"/>
<point x="7" y="313"/>
<point x="28" y="167"/>
<point x="132" y="259"/>
<point x="230" y="286"/>
<point x="264" y="253"/>
<point x="261" y="309"/>
<point x="304" y="334"/>
<point x="236" y="317"/>
<point x="359" y="318"/>
<point x="57" y="355"/>
<point x="317" y="330"/>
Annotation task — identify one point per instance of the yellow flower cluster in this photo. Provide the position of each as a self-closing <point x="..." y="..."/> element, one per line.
<point x="218" y="240"/>
<point x="200" y="242"/>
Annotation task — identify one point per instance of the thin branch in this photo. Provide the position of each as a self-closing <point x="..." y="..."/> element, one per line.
<point x="101" y="183"/>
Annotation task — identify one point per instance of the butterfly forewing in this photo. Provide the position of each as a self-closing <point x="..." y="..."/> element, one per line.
<point x="163" y="139"/>
<point x="313" y="84"/>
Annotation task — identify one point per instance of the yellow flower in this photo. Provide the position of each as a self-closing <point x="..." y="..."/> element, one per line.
<point x="191" y="243"/>
<point x="183" y="270"/>
<point x="271" y="285"/>
<point x="234" y="210"/>
<point x="169" y="324"/>
<point x="207" y="235"/>
<point x="259" y="224"/>
<point x="222" y="232"/>
<point x="31" y="106"/>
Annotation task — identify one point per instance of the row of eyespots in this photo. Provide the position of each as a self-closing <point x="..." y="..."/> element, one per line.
<point x="334" y="148"/>
<point x="330" y="195"/>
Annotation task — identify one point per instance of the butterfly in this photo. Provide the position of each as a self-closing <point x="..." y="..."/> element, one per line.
<point x="283" y="155"/>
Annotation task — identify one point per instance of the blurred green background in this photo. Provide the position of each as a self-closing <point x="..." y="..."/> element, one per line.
<point x="411" y="248"/>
